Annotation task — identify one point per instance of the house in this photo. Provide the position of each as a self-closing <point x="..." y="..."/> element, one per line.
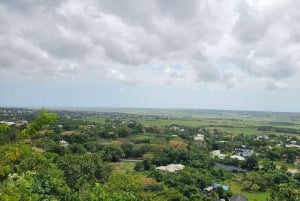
<point x="240" y="158"/>
<point x="210" y="189"/>
<point x="243" y="151"/>
<point x="171" y="167"/>
<point x="224" y="187"/>
<point x="238" y="197"/>
<point x="292" y="145"/>
<point x="63" y="143"/>
<point x="199" y="137"/>
<point x="217" y="153"/>
<point x="9" y="123"/>
<point x="21" y="123"/>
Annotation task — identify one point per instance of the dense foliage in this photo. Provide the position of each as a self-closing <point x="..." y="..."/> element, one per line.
<point x="56" y="157"/>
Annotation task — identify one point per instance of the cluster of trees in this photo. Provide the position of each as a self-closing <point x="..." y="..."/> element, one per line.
<point x="33" y="166"/>
<point x="279" y="129"/>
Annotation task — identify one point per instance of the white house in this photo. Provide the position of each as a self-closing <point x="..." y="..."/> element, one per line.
<point x="171" y="167"/>
<point x="63" y="143"/>
<point x="199" y="137"/>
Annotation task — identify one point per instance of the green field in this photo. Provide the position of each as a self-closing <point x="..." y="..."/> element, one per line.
<point x="230" y="123"/>
<point x="235" y="187"/>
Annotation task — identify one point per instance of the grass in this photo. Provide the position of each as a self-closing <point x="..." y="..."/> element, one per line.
<point x="123" y="167"/>
<point x="236" y="187"/>
<point x="261" y="196"/>
<point x="229" y="123"/>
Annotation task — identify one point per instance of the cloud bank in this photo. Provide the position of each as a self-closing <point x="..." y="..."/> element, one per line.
<point x="227" y="44"/>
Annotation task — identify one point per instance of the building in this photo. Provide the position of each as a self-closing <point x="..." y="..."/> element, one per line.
<point x="240" y="158"/>
<point x="243" y="151"/>
<point x="238" y="197"/>
<point x="171" y="167"/>
<point x="9" y="123"/>
<point x="217" y="153"/>
<point x="21" y="123"/>
<point x="224" y="187"/>
<point x="199" y="137"/>
<point x="210" y="189"/>
<point x="292" y="145"/>
<point x="63" y="143"/>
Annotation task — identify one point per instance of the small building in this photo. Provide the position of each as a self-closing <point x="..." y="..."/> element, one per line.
<point x="63" y="143"/>
<point x="224" y="187"/>
<point x="240" y="158"/>
<point x="21" y="123"/>
<point x="217" y="153"/>
<point x="171" y="167"/>
<point x="292" y="145"/>
<point x="243" y="151"/>
<point x="238" y="197"/>
<point x="199" y="137"/>
<point x="210" y="189"/>
<point x="9" y="123"/>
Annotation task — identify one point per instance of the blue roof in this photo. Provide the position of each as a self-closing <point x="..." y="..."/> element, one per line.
<point x="216" y="185"/>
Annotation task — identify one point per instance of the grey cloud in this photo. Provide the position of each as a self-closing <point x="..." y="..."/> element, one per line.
<point x="58" y="38"/>
<point x="251" y="24"/>
<point x="273" y="85"/>
<point x="206" y="72"/>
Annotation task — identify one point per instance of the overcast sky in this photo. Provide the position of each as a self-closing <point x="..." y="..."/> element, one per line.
<point x="209" y="54"/>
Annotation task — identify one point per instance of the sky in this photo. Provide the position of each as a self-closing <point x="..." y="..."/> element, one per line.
<point x="206" y="54"/>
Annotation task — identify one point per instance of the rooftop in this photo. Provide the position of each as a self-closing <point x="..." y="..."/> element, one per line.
<point x="171" y="167"/>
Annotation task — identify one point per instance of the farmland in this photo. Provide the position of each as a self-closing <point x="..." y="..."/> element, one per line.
<point x="93" y="151"/>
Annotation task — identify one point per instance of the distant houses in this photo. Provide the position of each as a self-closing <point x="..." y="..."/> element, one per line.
<point x="9" y="123"/>
<point x="243" y="151"/>
<point x="17" y="123"/>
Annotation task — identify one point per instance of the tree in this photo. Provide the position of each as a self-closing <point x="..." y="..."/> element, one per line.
<point x="291" y="155"/>
<point x="40" y="123"/>
<point x="251" y="163"/>
<point x="268" y="165"/>
<point x="287" y="192"/>
<point x="139" y="166"/>
<point x="83" y="169"/>
<point x="127" y="148"/>
<point x="112" y="153"/>
<point x="3" y="128"/>
<point x="123" y="131"/>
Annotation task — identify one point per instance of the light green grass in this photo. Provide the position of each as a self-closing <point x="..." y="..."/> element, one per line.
<point x="235" y="187"/>
<point x="123" y="167"/>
